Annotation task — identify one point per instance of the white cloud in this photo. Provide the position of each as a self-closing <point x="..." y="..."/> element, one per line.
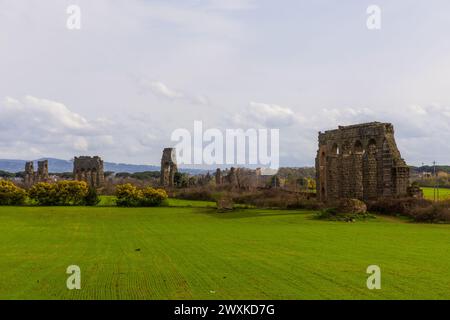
<point x="232" y="4"/>
<point x="162" y="90"/>
<point x="80" y="144"/>
<point x="267" y="115"/>
<point x="45" y="127"/>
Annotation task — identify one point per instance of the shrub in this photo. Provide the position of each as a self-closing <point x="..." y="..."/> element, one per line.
<point x="276" y="198"/>
<point x="334" y="214"/>
<point x="130" y="196"/>
<point x="437" y="212"/>
<point x="127" y="195"/>
<point x="44" y="194"/>
<point x="198" y="193"/>
<point x="10" y="194"/>
<point x="71" y="192"/>
<point x="397" y="206"/>
<point x="91" y="199"/>
<point x="151" y="197"/>
<point x="61" y="193"/>
<point x="419" y="210"/>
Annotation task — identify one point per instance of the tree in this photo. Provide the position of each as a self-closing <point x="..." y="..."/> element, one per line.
<point x="91" y="198"/>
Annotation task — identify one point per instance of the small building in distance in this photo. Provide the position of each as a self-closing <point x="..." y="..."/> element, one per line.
<point x="360" y="161"/>
<point x="90" y="170"/>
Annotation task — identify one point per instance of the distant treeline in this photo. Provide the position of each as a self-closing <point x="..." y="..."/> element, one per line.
<point x="21" y="174"/>
<point x="146" y="175"/>
<point x="430" y="169"/>
<point x="285" y="172"/>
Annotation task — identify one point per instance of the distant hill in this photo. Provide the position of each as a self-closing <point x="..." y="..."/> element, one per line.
<point x="59" y="166"/>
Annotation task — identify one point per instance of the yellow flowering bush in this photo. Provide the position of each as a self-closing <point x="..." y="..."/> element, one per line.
<point x="61" y="193"/>
<point x="10" y="194"/>
<point x="152" y="197"/>
<point x="130" y="196"/>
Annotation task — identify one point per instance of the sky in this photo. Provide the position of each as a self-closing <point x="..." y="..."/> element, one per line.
<point x="137" y="70"/>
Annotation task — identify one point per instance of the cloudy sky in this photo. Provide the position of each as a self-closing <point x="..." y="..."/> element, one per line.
<point x="139" y="69"/>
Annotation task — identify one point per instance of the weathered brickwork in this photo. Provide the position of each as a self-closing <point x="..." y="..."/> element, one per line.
<point x="360" y="161"/>
<point x="90" y="170"/>
<point x="168" y="167"/>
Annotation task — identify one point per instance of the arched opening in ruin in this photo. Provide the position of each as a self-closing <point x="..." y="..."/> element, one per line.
<point x="335" y="149"/>
<point x="346" y="148"/>
<point x="322" y="158"/>
<point x="358" y="147"/>
<point x="372" y="146"/>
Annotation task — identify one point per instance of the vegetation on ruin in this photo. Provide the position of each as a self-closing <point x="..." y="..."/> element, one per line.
<point x="194" y="253"/>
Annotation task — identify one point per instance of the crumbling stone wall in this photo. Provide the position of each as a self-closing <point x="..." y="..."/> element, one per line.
<point x="241" y="178"/>
<point x="168" y="167"/>
<point x="32" y="177"/>
<point x="90" y="170"/>
<point x="360" y="161"/>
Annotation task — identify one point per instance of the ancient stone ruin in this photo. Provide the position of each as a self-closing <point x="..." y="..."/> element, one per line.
<point x="168" y="167"/>
<point x="90" y="170"/>
<point x="361" y="162"/>
<point x="32" y="177"/>
<point x="241" y="178"/>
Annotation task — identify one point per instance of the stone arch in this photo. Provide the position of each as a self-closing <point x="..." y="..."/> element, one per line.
<point x="346" y="149"/>
<point x="372" y="146"/>
<point x="335" y="149"/>
<point x="358" y="147"/>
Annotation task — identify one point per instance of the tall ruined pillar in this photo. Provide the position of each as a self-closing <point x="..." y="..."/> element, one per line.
<point x="370" y="172"/>
<point x="323" y="173"/>
<point x="168" y="167"/>
<point x="42" y="173"/>
<point x="386" y="159"/>
<point x="29" y="174"/>
<point x="333" y="177"/>
<point x="346" y="175"/>
<point x="357" y="184"/>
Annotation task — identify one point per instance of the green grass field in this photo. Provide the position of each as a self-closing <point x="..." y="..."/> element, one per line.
<point x="444" y="193"/>
<point x="188" y="251"/>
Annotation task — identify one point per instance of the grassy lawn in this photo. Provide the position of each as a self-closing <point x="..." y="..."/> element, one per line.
<point x="194" y="253"/>
<point x="108" y="201"/>
<point x="444" y="193"/>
